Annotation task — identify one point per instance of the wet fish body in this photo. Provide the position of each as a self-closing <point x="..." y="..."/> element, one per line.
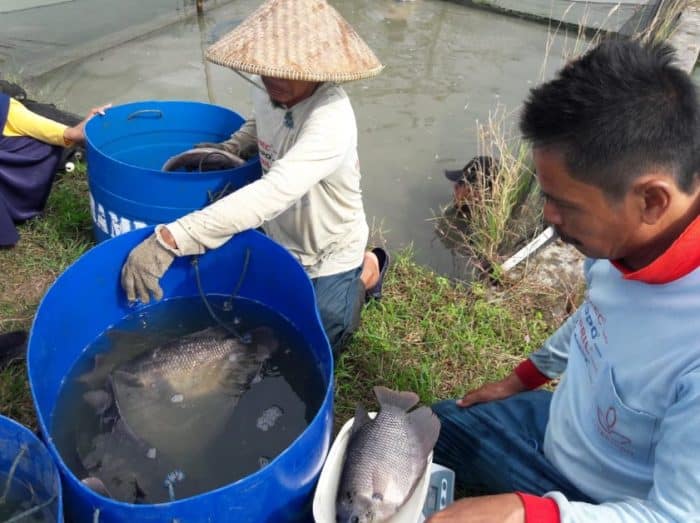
<point x="196" y="364"/>
<point x="203" y="159"/>
<point x="169" y="402"/>
<point x="385" y="457"/>
<point x="191" y="384"/>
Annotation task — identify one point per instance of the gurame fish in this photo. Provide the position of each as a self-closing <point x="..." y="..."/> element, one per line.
<point x="176" y="397"/>
<point x="203" y="159"/>
<point x="385" y="457"/>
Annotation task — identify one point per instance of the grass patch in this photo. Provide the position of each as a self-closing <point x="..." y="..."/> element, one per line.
<point x="48" y="244"/>
<point x="436" y="338"/>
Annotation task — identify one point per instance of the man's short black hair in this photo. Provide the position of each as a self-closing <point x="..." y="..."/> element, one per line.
<point x="621" y="109"/>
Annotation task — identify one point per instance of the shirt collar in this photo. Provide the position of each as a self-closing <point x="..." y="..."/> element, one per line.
<point x="680" y="259"/>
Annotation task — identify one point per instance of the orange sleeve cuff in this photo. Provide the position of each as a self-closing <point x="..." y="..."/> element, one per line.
<point x="539" y="510"/>
<point x="530" y="375"/>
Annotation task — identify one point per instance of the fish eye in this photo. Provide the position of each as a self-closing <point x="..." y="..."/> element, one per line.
<point x="354" y="519"/>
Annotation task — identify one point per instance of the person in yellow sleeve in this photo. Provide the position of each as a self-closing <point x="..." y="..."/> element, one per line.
<point x="30" y="149"/>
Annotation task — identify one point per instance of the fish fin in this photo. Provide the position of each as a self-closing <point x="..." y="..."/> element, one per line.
<point x="210" y="332"/>
<point x="96" y="485"/>
<point x="404" y="400"/>
<point x="132" y="380"/>
<point x="265" y="339"/>
<point x="427" y="427"/>
<point x="122" y="337"/>
<point x="380" y="484"/>
<point x="99" y="400"/>
<point x="123" y="430"/>
<point x="97" y="374"/>
<point x="361" y="419"/>
<point x="130" y="344"/>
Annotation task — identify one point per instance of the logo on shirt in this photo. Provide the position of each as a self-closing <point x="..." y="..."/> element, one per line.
<point x="606" y="427"/>
<point x="267" y="155"/>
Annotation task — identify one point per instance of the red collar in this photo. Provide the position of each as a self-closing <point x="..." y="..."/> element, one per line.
<point x="681" y="258"/>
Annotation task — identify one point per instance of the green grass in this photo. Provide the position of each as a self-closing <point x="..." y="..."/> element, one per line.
<point x="48" y="244"/>
<point x="434" y="338"/>
<point x="427" y="334"/>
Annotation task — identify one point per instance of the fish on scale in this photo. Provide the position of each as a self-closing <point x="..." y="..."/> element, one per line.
<point x="385" y="457"/>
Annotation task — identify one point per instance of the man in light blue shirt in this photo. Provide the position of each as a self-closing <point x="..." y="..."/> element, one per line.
<point x="616" y="146"/>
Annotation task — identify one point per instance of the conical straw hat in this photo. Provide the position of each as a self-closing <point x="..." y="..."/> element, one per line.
<point x="296" y="40"/>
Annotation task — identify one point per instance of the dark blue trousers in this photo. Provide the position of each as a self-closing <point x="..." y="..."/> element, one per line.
<point x="340" y="298"/>
<point x="496" y="447"/>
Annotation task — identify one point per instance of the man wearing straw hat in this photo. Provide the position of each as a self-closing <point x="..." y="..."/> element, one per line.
<point x="304" y="128"/>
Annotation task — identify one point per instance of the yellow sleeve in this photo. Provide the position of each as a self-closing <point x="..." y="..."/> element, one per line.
<point x="23" y="122"/>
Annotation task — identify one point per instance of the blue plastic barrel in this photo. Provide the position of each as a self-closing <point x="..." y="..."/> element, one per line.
<point x="24" y="457"/>
<point x="126" y="149"/>
<point x="87" y="299"/>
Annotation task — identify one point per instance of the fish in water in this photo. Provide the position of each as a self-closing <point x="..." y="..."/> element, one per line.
<point x="175" y="398"/>
<point x="203" y="159"/>
<point x="385" y="457"/>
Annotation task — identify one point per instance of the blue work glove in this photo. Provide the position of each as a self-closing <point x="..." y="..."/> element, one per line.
<point x="143" y="269"/>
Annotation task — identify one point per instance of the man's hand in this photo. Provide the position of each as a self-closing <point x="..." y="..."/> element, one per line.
<point x="503" y="508"/>
<point x="143" y="269"/>
<point x="495" y="390"/>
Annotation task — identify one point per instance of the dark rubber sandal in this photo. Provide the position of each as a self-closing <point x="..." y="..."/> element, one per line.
<point x="13" y="347"/>
<point x="375" y="293"/>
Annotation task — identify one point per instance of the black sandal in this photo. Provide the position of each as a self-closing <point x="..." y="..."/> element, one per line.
<point x="375" y="293"/>
<point x="13" y="347"/>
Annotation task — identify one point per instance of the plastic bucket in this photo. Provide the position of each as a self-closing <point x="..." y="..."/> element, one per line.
<point x="126" y="149"/>
<point x="87" y="299"/>
<point x="33" y="465"/>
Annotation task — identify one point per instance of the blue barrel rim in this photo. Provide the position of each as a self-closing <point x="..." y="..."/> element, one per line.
<point x="127" y="147"/>
<point x="92" y="122"/>
<point x="48" y="441"/>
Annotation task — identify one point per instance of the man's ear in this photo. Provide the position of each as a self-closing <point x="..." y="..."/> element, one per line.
<point x="654" y="198"/>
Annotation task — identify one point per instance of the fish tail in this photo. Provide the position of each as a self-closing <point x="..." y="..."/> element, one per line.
<point x="426" y="426"/>
<point x="404" y="400"/>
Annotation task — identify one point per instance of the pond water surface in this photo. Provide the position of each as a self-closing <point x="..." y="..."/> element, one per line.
<point x="447" y="67"/>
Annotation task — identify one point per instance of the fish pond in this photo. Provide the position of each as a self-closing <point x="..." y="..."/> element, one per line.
<point x="448" y="66"/>
<point x="174" y="401"/>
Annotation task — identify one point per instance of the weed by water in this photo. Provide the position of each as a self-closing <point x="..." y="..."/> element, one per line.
<point x="505" y="210"/>
<point x="663" y="24"/>
<point x="15" y="399"/>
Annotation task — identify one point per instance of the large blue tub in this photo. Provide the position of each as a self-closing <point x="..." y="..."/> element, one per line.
<point x="126" y="149"/>
<point x="87" y="299"/>
<point x="33" y="465"/>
